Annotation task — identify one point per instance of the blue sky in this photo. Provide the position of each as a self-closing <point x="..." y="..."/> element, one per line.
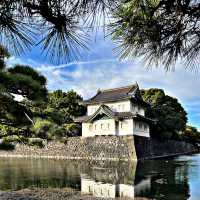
<point x="100" y="68"/>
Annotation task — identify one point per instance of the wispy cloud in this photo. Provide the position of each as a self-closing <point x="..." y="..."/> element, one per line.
<point x="100" y="69"/>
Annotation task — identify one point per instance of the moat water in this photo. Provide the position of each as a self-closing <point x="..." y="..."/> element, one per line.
<point x="171" y="179"/>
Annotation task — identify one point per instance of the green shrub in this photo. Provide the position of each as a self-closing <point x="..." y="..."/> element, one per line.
<point x="7" y="146"/>
<point x="12" y="138"/>
<point x="43" y="128"/>
<point x="63" y="140"/>
<point x="191" y="135"/>
<point x="15" y="139"/>
<point x="72" y="129"/>
<point x="23" y="140"/>
<point x="58" y="132"/>
<point x="7" y="130"/>
<point x="36" y="142"/>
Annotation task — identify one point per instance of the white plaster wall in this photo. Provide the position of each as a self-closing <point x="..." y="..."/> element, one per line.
<point x="126" y="127"/>
<point x="120" y="106"/>
<point x="105" y="190"/>
<point x="97" y="189"/>
<point x="141" y="131"/>
<point x="108" y="127"/>
<point x="126" y="191"/>
<point x="137" y="109"/>
<point x="99" y="127"/>
<point x="85" y="130"/>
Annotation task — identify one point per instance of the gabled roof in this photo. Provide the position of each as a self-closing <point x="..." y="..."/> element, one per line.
<point x="117" y="94"/>
<point x="103" y="109"/>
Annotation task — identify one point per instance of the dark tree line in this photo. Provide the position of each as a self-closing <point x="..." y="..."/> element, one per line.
<point x="171" y="117"/>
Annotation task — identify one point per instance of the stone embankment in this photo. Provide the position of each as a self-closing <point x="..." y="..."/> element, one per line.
<point x="113" y="148"/>
<point x="94" y="148"/>
<point x="54" y="194"/>
<point x="152" y="148"/>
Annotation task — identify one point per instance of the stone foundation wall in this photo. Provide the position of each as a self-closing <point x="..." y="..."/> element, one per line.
<point x="152" y="148"/>
<point x="104" y="148"/>
<point x="94" y="148"/>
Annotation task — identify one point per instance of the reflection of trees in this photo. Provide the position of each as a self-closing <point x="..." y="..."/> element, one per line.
<point x="43" y="173"/>
<point x="152" y="179"/>
<point x="112" y="172"/>
<point x="168" y="179"/>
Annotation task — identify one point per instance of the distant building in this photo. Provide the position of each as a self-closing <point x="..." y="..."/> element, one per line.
<point x="119" y="111"/>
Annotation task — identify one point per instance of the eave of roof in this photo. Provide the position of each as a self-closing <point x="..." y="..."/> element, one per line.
<point x="139" y="102"/>
<point x="130" y="92"/>
<point x="91" y="102"/>
<point x="115" y="115"/>
<point x="114" y="94"/>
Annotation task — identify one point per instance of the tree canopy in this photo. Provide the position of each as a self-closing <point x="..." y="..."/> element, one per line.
<point x="39" y="113"/>
<point x="171" y="116"/>
<point x="192" y="135"/>
<point x="64" y="106"/>
<point x="62" y="25"/>
<point x="160" y="31"/>
<point x="22" y="81"/>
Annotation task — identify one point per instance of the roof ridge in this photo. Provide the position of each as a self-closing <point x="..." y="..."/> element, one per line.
<point x="117" y="88"/>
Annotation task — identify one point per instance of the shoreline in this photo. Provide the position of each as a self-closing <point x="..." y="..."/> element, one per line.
<point x="55" y="194"/>
<point x="94" y="159"/>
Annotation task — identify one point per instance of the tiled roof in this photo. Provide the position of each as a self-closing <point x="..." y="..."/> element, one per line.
<point x="109" y="95"/>
<point x="115" y="115"/>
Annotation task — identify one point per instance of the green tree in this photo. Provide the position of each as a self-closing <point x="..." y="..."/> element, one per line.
<point x="43" y="128"/>
<point x="191" y="134"/>
<point x="62" y="25"/>
<point x="171" y="116"/>
<point x="3" y="54"/>
<point x="64" y="106"/>
<point x="158" y="30"/>
<point x="54" y="119"/>
<point x="25" y="82"/>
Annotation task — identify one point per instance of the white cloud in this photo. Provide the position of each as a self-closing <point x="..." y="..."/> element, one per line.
<point x="87" y="76"/>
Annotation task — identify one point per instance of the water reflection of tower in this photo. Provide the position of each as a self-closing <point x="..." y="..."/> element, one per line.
<point x="106" y="190"/>
<point x="114" y="184"/>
